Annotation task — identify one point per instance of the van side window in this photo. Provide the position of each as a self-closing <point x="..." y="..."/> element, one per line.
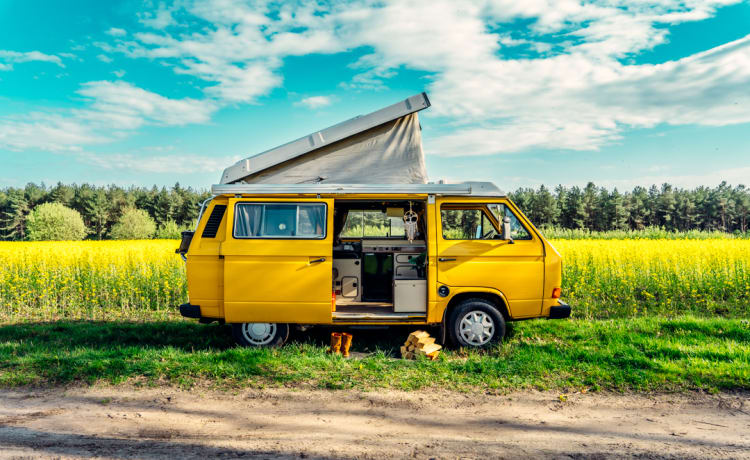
<point x="280" y="220"/>
<point x="517" y="230"/>
<point x="469" y="223"/>
<point x="372" y="224"/>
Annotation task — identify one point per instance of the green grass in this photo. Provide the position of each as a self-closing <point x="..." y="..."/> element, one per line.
<point x="635" y="354"/>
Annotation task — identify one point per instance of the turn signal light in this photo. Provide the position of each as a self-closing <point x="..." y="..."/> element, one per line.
<point x="556" y="293"/>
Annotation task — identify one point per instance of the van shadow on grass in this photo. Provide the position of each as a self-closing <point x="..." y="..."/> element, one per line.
<point x="178" y="351"/>
<point x="190" y="336"/>
<point x="66" y="335"/>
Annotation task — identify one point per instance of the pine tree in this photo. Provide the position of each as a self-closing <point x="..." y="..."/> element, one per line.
<point x="98" y="213"/>
<point x="619" y="212"/>
<point x="14" y="217"/>
<point x="590" y="206"/>
<point x="575" y="213"/>
<point x="544" y="207"/>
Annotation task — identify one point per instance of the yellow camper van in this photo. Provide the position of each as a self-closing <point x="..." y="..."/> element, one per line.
<point x="342" y="228"/>
<point x="264" y="258"/>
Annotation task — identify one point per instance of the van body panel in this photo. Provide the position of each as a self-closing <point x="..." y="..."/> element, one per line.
<point x="205" y="269"/>
<point x="552" y="276"/>
<point x="516" y="270"/>
<point x="279" y="280"/>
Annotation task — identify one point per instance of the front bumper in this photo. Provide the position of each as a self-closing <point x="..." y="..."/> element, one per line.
<point x="559" y="311"/>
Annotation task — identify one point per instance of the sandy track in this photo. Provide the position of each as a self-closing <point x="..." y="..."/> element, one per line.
<point x="120" y="422"/>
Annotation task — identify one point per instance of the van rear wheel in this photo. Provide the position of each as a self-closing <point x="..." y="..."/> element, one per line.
<point x="475" y="323"/>
<point x="260" y="334"/>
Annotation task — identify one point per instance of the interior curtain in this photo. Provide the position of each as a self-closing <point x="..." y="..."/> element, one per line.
<point x="339" y="219"/>
<point x="248" y="219"/>
<point x="315" y="215"/>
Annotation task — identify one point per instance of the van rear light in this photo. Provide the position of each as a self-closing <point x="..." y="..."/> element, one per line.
<point x="333" y="301"/>
<point x="556" y="292"/>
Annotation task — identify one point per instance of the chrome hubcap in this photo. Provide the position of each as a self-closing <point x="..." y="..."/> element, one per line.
<point x="259" y="333"/>
<point x="476" y="328"/>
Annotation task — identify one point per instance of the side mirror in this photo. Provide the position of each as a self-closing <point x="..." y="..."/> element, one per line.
<point x="506" y="230"/>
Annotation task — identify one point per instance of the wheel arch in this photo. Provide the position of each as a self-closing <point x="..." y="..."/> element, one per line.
<point x="496" y="299"/>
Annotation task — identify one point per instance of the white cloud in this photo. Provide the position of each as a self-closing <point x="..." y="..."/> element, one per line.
<point x="576" y="93"/>
<point x="580" y="97"/>
<point x="51" y="132"/>
<point x="104" y="58"/>
<point x="119" y="73"/>
<point x="8" y="58"/>
<point x="569" y="102"/>
<point x="241" y="51"/>
<point x="174" y="164"/>
<point x="116" y="32"/>
<point x="315" y="102"/>
<point x="113" y="110"/>
<point x="124" y="106"/>
<point x="576" y="88"/>
<point x="159" y="19"/>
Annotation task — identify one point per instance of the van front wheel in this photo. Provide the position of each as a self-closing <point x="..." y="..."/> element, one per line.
<point x="260" y="334"/>
<point x="475" y="323"/>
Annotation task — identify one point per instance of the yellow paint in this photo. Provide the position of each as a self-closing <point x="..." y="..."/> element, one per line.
<point x="277" y="280"/>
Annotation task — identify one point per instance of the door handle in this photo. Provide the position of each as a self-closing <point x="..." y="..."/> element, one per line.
<point x="317" y="261"/>
<point x="446" y="259"/>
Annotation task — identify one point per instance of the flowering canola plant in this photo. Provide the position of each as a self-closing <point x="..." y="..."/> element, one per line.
<point x="605" y="278"/>
<point x="89" y="279"/>
<point x="146" y="279"/>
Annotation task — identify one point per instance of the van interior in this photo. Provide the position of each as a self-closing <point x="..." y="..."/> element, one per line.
<point x="378" y="274"/>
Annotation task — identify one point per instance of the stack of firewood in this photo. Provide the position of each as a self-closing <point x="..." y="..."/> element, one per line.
<point x="420" y="343"/>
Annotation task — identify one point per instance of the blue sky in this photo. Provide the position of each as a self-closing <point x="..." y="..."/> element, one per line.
<point x="524" y="93"/>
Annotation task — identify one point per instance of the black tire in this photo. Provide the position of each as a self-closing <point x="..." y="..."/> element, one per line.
<point x="251" y="334"/>
<point x="473" y="310"/>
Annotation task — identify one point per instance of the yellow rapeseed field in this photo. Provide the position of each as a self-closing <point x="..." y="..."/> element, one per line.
<point x="90" y="279"/>
<point x="146" y="279"/>
<point x="604" y="278"/>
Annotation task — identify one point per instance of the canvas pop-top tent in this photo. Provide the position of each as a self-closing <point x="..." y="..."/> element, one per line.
<point x="383" y="147"/>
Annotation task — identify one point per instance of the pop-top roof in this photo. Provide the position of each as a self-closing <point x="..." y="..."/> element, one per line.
<point x="252" y="168"/>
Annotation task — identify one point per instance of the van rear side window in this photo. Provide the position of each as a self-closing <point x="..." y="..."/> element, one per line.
<point x="280" y="220"/>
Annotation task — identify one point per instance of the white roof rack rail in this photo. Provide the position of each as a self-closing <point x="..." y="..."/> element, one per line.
<point x="466" y="188"/>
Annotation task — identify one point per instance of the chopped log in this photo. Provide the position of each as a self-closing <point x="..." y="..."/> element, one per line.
<point x="419" y="334"/>
<point x="424" y="342"/>
<point x="427" y="349"/>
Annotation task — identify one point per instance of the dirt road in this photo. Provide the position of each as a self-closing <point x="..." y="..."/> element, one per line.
<point x="117" y="422"/>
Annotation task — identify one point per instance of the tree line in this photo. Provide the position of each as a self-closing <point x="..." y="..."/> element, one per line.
<point x="722" y="208"/>
<point x="102" y="208"/>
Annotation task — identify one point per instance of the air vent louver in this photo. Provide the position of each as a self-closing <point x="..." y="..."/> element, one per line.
<point x="214" y="220"/>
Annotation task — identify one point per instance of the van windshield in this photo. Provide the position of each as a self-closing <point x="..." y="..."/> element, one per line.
<point x="372" y="224"/>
